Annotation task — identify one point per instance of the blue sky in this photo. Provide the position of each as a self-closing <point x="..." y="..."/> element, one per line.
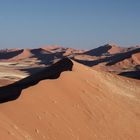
<point x="71" y="23"/>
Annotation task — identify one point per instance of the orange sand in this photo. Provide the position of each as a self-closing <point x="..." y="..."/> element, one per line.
<point x="80" y="105"/>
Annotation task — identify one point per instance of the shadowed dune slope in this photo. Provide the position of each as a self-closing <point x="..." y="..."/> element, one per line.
<point x="122" y="56"/>
<point x="106" y="49"/>
<point x="13" y="91"/>
<point x="113" y="59"/>
<point x="9" y="54"/>
<point x="82" y="104"/>
<point x="131" y="74"/>
<point x="26" y="53"/>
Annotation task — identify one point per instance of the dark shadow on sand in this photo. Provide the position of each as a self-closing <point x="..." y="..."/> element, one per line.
<point x="13" y="91"/>
<point x="131" y="74"/>
<point x="8" y="55"/>
<point x="98" y="51"/>
<point x="45" y="57"/>
<point x="110" y="60"/>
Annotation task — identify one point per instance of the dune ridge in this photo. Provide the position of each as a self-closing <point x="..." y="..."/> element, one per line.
<point x="13" y="91"/>
<point x="80" y="104"/>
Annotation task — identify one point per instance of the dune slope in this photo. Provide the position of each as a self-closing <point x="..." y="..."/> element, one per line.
<point x="82" y="104"/>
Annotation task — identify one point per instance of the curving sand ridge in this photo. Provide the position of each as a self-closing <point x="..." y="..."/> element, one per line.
<point x="82" y="104"/>
<point x="26" y="53"/>
<point x="108" y="48"/>
<point x="115" y="49"/>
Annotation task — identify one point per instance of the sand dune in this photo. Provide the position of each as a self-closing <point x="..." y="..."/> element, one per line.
<point x="105" y="49"/>
<point x="112" y="58"/>
<point x="82" y="104"/>
<point x="13" y="91"/>
<point x="26" y="53"/>
<point x="109" y="57"/>
<point x="10" y="53"/>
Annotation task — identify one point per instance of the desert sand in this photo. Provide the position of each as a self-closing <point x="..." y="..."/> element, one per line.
<point x="109" y="57"/>
<point x="82" y="104"/>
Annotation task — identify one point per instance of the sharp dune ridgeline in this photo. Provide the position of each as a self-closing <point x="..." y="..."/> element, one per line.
<point x="13" y="91"/>
<point x="57" y="98"/>
<point x="55" y="92"/>
<point x="74" y="102"/>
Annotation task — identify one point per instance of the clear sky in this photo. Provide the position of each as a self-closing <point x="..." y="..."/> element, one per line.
<point x="71" y="23"/>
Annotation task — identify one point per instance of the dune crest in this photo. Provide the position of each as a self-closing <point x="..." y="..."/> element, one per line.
<point x="82" y="104"/>
<point x="13" y="91"/>
<point x="26" y="53"/>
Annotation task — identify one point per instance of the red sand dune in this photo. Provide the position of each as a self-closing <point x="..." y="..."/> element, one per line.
<point x="26" y="53"/>
<point x="82" y="104"/>
<point x="115" y="49"/>
<point x="105" y="49"/>
<point x="129" y="61"/>
<point x="108" y="57"/>
<point x="9" y="53"/>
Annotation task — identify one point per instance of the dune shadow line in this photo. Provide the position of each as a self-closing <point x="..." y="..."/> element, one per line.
<point x="13" y="91"/>
<point x="8" y="55"/>
<point x="109" y="60"/>
<point x="131" y="74"/>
